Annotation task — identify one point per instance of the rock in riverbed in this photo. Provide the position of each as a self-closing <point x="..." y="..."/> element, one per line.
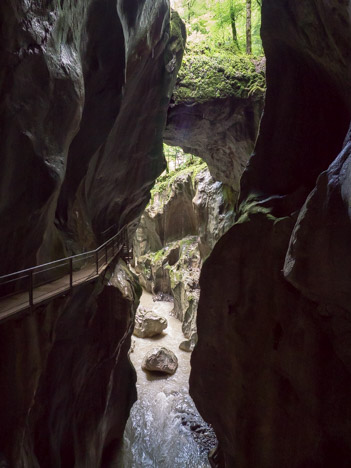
<point x="160" y="360"/>
<point x="189" y="345"/>
<point x="148" y="324"/>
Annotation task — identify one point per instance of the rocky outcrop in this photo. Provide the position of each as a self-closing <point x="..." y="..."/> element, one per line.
<point x="148" y="323"/>
<point x="160" y="360"/>
<point x="214" y="205"/>
<point x="275" y="290"/>
<point x="216" y="111"/>
<point x="187" y="215"/>
<point x="61" y="369"/>
<point x="198" y="205"/>
<point x="85" y="87"/>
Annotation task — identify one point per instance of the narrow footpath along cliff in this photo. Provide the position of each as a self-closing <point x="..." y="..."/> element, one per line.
<point x="85" y="88"/>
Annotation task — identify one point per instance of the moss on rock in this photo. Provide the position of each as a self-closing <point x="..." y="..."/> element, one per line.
<point x="202" y="78"/>
<point x="166" y="180"/>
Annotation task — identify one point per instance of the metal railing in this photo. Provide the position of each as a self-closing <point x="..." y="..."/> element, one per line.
<point x="54" y="278"/>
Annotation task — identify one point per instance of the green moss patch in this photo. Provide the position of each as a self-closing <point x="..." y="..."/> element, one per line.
<point x="164" y="183"/>
<point x="205" y="77"/>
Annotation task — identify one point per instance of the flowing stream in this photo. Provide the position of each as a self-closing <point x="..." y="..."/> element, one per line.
<point x="164" y="429"/>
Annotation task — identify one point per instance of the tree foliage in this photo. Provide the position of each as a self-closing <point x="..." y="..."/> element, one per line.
<point x="230" y="24"/>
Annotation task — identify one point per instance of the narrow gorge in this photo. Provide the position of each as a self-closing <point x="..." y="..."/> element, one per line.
<point x="143" y="168"/>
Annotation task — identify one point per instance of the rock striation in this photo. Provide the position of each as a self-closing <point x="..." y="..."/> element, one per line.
<point x="275" y="290"/>
<point x="85" y="88"/>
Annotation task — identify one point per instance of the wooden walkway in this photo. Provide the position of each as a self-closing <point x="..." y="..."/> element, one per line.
<point x="96" y="263"/>
<point x="17" y="303"/>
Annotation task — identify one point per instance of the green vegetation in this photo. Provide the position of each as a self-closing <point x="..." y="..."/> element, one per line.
<point x="203" y="77"/>
<point x="224" y="55"/>
<point x="230" y="197"/>
<point x="187" y="164"/>
<point x="233" y="25"/>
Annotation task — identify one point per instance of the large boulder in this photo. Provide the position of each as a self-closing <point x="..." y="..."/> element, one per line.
<point x="148" y="324"/>
<point x="160" y="360"/>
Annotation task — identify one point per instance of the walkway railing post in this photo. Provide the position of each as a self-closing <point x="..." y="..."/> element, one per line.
<point x="116" y="245"/>
<point x="71" y="273"/>
<point x="31" y="288"/>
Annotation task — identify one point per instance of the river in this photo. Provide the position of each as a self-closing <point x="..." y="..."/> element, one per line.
<point x="164" y="429"/>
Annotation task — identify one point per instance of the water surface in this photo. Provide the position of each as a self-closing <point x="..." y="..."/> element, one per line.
<point x="164" y="429"/>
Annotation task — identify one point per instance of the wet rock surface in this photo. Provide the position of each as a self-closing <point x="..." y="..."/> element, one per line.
<point x="201" y="431"/>
<point x="160" y="360"/>
<point x="148" y="323"/>
<point x="275" y="290"/>
<point x="162" y="297"/>
<point x="164" y="428"/>
<point x="189" y="345"/>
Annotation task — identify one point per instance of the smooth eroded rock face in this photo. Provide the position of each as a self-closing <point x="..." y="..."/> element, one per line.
<point x="69" y="379"/>
<point x="160" y="360"/>
<point x="85" y="87"/>
<point x="74" y="78"/>
<point x="148" y="323"/>
<point x="275" y="291"/>
<point x="222" y="132"/>
<point x="168" y="256"/>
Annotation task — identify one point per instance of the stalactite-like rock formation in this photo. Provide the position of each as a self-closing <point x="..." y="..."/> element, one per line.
<point x="271" y="370"/>
<point x="85" y="87"/>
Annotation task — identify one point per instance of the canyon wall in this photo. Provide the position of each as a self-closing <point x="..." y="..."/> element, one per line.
<point x="188" y="213"/>
<point x="85" y="88"/>
<point x="214" y="113"/>
<point x="271" y="370"/>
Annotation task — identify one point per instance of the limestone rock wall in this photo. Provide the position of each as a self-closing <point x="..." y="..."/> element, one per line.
<point x="176" y="232"/>
<point x="273" y="316"/>
<point x="84" y="92"/>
